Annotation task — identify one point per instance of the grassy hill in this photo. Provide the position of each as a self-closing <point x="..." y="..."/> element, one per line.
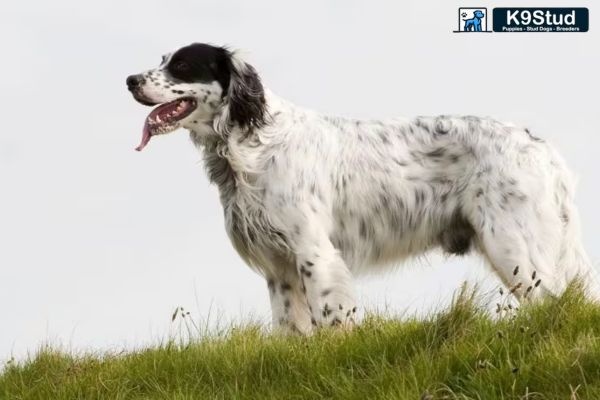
<point x="546" y="351"/>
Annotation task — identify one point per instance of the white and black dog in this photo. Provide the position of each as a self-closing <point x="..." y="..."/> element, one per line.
<point x="311" y="199"/>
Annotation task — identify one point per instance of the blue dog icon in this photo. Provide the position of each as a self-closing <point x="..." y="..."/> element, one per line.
<point x="474" y="24"/>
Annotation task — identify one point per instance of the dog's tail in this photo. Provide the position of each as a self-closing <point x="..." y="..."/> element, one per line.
<point x="573" y="260"/>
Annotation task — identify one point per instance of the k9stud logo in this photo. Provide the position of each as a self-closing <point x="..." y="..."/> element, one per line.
<point x="541" y="19"/>
<point x="523" y="19"/>
<point x="472" y="19"/>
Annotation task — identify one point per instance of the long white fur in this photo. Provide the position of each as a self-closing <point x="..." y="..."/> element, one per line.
<point x="311" y="200"/>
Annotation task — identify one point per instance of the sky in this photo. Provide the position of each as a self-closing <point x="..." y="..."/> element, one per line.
<point x="99" y="243"/>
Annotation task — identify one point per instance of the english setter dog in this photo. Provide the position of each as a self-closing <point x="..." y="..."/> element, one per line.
<point x="310" y="199"/>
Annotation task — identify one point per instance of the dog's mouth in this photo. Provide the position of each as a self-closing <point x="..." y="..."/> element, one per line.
<point x="165" y="118"/>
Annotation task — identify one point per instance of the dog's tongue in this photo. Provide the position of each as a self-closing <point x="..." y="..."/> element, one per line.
<point x="145" y="137"/>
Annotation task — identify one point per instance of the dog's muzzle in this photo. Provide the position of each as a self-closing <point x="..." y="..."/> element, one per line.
<point x="134" y="82"/>
<point x="134" y="85"/>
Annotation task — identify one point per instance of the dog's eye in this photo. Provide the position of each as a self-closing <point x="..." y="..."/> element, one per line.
<point x="181" y="66"/>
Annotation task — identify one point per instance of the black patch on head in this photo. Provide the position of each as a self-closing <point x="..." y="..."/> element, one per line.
<point x="201" y="62"/>
<point x="242" y="88"/>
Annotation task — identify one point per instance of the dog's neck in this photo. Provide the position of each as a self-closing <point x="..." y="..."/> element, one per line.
<point x="234" y="160"/>
<point x="218" y="168"/>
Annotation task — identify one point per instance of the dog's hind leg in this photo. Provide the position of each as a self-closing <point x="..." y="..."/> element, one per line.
<point x="573" y="261"/>
<point x="527" y="226"/>
<point x="520" y="234"/>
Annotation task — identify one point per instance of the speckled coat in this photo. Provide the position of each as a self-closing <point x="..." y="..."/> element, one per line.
<point x="311" y="200"/>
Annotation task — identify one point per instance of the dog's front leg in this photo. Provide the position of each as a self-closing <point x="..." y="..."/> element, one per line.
<point x="327" y="283"/>
<point x="288" y="304"/>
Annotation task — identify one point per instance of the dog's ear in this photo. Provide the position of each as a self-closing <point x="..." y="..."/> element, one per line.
<point x="244" y="102"/>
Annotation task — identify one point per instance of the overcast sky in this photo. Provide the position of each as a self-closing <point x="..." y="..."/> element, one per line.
<point x="99" y="243"/>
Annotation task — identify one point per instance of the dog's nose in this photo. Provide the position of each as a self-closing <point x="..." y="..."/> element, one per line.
<point x="133" y="81"/>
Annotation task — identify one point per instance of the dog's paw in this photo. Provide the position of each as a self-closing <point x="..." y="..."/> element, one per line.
<point x="335" y="314"/>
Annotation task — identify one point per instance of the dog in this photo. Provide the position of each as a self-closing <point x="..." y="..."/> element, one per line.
<point x="474" y="24"/>
<point x="311" y="200"/>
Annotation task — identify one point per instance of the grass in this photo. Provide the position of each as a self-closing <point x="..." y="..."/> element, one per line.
<point x="547" y="351"/>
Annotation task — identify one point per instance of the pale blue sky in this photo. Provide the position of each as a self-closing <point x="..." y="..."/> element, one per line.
<point x="100" y="243"/>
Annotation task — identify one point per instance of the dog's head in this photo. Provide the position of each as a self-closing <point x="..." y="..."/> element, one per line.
<point x="199" y="85"/>
<point x="478" y="14"/>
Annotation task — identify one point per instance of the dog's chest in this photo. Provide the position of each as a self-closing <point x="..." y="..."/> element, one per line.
<point x="252" y="234"/>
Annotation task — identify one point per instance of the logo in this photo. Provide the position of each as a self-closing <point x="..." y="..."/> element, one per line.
<point x="541" y="19"/>
<point x="523" y="19"/>
<point x="472" y="19"/>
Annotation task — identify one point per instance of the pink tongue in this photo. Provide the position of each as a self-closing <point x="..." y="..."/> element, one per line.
<point x="145" y="137"/>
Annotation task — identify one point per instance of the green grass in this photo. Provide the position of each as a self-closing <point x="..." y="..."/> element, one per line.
<point x="546" y="351"/>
